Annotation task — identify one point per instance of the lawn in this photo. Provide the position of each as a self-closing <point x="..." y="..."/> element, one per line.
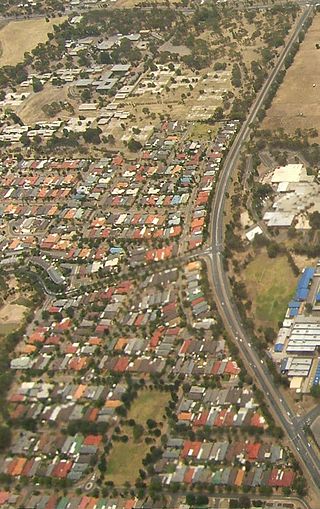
<point x="271" y="284"/>
<point x="19" y="37"/>
<point x="125" y="459"/>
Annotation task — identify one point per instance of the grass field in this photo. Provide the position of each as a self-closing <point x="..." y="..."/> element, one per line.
<point x="270" y="284"/>
<point x="19" y="37"/>
<point x="126" y="458"/>
<point x="296" y="104"/>
<point x="149" y="405"/>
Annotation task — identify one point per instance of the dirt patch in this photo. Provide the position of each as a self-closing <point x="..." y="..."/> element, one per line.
<point x="12" y="313"/>
<point x="296" y="104"/>
<point x="303" y="261"/>
<point x="19" y="37"/>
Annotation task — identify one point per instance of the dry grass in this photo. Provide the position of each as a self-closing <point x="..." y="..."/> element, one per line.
<point x="31" y="109"/>
<point x="297" y="95"/>
<point x="19" y="37"/>
<point x="11" y="316"/>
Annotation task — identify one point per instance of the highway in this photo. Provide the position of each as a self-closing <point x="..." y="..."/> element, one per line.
<point x="293" y="427"/>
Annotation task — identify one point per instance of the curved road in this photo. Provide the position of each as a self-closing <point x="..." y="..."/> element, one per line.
<point x="293" y="427"/>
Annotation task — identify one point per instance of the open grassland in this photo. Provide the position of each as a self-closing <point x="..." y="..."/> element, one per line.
<point x="270" y="284"/>
<point x="125" y="459"/>
<point x="296" y="104"/>
<point x="19" y="37"/>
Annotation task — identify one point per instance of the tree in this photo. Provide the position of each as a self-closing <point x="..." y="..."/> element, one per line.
<point x="315" y="391"/>
<point x="5" y="437"/>
<point x="190" y="499"/>
<point x="25" y="140"/>
<point x="37" y="85"/>
<point x="102" y="465"/>
<point x="244" y="502"/>
<point x="218" y="114"/>
<point x="269" y="334"/>
<point x="134" y="145"/>
<point x="85" y="95"/>
<point x="151" y="423"/>
<point x="137" y="431"/>
<point x="92" y="135"/>
<point x="111" y="139"/>
<point x="314" y="220"/>
<point x="273" y="250"/>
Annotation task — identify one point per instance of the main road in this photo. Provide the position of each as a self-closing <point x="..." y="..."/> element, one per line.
<point x="293" y="428"/>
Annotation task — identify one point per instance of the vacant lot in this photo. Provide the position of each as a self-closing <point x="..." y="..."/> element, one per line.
<point x="126" y="458"/>
<point x="19" y="37"/>
<point x="296" y="104"/>
<point x="203" y="131"/>
<point x="11" y="316"/>
<point x="270" y="284"/>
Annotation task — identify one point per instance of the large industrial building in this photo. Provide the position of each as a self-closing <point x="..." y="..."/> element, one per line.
<point x="298" y="341"/>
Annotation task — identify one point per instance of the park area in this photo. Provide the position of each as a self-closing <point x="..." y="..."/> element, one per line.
<point x="125" y="458"/>
<point x="270" y="284"/>
<point x="296" y="104"/>
<point x="19" y="37"/>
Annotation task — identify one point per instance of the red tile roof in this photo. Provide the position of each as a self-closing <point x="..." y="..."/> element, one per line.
<point x="282" y="478"/>
<point x="4" y="495"/>
<point x="93" y="440"/>
<point x="190" y="447"/>
<point x="121" y="364"/>
<point x="62" y="469"/>
<point x="252" y="451"/>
